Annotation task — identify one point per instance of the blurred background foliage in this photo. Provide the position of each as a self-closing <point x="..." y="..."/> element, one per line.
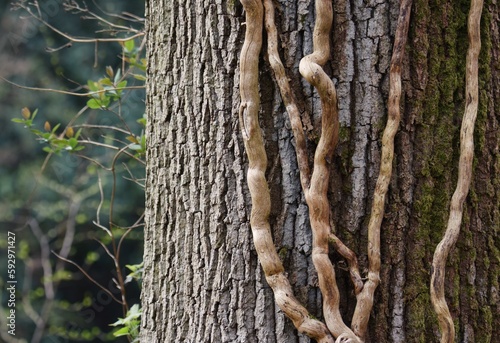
<point x="51" y="201"/>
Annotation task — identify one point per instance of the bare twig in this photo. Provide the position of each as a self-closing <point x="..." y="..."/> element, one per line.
<point x="50" y="90"/>
<point x="88" y="277"/>
<point x="464" y="176"/>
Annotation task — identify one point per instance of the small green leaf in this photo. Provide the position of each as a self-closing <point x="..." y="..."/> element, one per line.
<point x="122" y="84"/>
<point x="106" y="81"/>
<point x="118" y="76"/>
<point x="93" y="104"/>
<point x="19" y="120"/>
<point x="129" y="45"/>
<point x="139" y="77"/>
<point x="98" y="104"/>
<point x="93" y="86"/>
<point x="121" y="332"/>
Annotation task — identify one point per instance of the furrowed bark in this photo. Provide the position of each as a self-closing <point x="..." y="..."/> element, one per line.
<point x="311" y="69"/>
<point x="257" y="184"/>
<point x="365" y="298"/>
<point x="464" y="177"/>
<point x="297" y="129"/>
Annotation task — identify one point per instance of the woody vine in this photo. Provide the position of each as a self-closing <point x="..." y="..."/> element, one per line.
<point x="315" y="183"/>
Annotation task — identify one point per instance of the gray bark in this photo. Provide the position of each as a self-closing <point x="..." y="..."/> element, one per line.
<point x="202" y="281"/>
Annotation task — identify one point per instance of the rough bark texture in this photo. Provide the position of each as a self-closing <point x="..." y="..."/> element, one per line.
<point x="202" y="280"/>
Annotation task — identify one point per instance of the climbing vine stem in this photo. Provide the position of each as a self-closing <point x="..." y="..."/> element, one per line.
<point x="315" y="184"/>
<point x="257" y="184"/>
<point x="464" y="176"/>
<point x="365" y="298"/>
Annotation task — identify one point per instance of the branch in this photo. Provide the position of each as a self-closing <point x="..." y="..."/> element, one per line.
<point x="257" y="184"/>
<point x="108" y="292"/>
<point x="50" y="90"/>
<point x="464" y="176"/>
<point x="365" y="298"/>
<point x="74" y="39"/>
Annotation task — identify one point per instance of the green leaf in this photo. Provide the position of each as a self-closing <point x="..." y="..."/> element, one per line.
<point x="139" y="77"/>
<point x="122" y="84"/>
<point x="142" y="121"/>
<point x="78" y="133"/>
<point x="98" y="104"/>
<point x="106" y="81"/>
<point x="55" y="128"/>
<point x="19" y="120"/>
<point x="93" y="86"/>
<point x="93" y="104"/>
<point x="129" y="45"/>
<point x="121" y="332"/>
<point x="118" y="76"/>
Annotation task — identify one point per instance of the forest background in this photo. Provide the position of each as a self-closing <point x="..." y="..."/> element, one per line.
<point x="52" y="201"/>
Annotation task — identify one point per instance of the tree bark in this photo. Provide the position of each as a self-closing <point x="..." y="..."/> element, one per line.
<point x="202" y="279"/>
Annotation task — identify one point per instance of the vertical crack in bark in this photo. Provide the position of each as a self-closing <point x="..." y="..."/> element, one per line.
<point x="257" y="184"/>
<point x="464" y="176"/>
<point x="366" y="297"/>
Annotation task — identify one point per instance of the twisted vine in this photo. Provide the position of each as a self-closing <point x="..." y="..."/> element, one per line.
<point x="310" y="68"/>
<point x="315" y="186"/>
<point x="257" y="184"/>
<point x="464" y="176"/>
<point x="365" y="299"/>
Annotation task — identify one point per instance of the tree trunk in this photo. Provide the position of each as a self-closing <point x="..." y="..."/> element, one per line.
<point x="202" y="279"/>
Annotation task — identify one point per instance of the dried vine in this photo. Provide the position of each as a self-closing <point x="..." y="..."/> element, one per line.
<point x="365" y="298"/>
<point x="257" y="163"/>
<point x="464" y="176"/>
<point x="315" y="186"/>
<point x="300" y="141"/>
<point x="310" y="68"/>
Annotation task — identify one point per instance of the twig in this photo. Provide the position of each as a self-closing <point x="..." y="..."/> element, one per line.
<point x="89" y="277"/>
<point x="50" y="90"/>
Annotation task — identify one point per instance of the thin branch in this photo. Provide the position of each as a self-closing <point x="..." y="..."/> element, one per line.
<point x="89" y="277"/>
<point x="50" y="90"/>
<point x="74" y="6"/>
<point x="39" y="18"/>
<point x="352" y="261"/>
<point x="464" y="176"/>
<point x="125" y="15"/>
